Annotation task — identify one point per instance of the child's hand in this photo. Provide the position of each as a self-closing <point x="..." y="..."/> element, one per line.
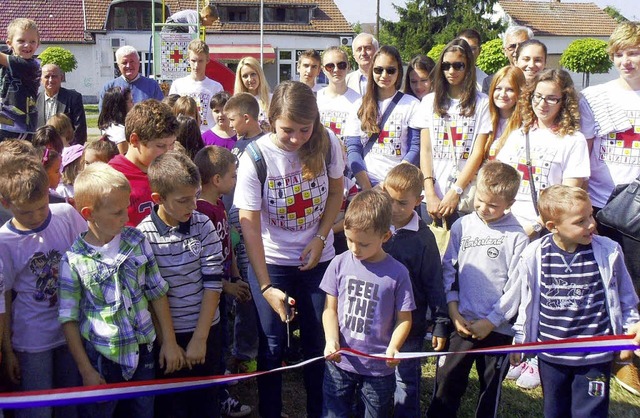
<point x="330" y="351"/>
<point x="12" y="367"/>
<point x="239" y="290"/>
<point x="481" y="328"/>
<point x="391" y="353"/>
<point x="171" y="355"/>
<point x="93" y="378"/>
<point x="515" y="359"/>
<point x="438" y="343"/>
<point x="461" y="324"/>
<point x="311" y="253"/>
<point x="196" y="350"/>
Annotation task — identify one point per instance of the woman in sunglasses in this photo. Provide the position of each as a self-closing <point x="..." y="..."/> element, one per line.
<point x="549" y="149"/>
<point x="456" y="124"/>
<point x="336" y="100"/>
<point x="380" y="134"/>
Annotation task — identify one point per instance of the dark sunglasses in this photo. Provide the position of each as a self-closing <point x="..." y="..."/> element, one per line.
<point x="342" y="65"/>
<point x="389" y="70"/>
<point x="458" y="66"/>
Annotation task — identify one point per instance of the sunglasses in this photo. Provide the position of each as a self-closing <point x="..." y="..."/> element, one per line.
<point x="457" y="66"/>
<point x="389" y="70"/>
<point x="342" y="65"/>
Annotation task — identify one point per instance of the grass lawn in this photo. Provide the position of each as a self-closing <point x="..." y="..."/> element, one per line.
<point x="91" y="110"/>
<point x="515" y="402"/>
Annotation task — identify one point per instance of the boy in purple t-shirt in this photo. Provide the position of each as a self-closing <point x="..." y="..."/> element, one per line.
<point x="368" y="308"/>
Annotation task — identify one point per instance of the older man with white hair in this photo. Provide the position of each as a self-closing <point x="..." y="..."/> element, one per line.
<point x="364" y="47"/>
<point x="141" y="87"/>
<point x="513" y="37"/>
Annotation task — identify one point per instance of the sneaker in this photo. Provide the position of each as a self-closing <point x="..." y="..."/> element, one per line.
<point x="627" y="375"/>
<point x="515" y="371"/>
<point x="231" y="407"/>
<point x="530" y="376"/>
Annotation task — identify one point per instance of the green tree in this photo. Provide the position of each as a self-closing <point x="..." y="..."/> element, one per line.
<point x="424" y="23"/>
<point x="586" y="56"/>
<point x="63" y="58"/>
<point x="615" y="14"/>
<point x="435" y="51"/>
<point x="492" y="57"/>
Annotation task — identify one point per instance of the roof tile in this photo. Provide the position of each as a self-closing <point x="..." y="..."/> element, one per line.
<point x="559" y="18"/>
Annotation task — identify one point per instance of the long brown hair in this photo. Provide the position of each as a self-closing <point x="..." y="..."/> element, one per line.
<point x="442" y="101"/>
<point x="516" y="78"/>
<point x="295" y="101"/>
<point x="369" y="112"/>
<point x="567" y="121"/>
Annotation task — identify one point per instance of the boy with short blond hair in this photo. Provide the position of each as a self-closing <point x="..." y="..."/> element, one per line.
<point x="117" y="347"/>
<point x="197" y="85"/>
<point x="368" y="308"/>
<point x="574" y="284"/>
<point x="19" y="80"/>
<point x="190" y="256"/>
<point x="32" y="243"/>
<point x="150" y="129"/>
<point x="482" y="292"/>
<point x="412" y="243"/>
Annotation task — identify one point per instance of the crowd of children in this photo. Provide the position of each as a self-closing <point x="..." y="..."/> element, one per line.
<point x="136" y="256"/>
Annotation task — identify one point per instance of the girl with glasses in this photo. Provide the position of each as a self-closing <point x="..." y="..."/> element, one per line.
<point x="250" y="78"/>
<point x="550" y="139"/>
<point x="336" y="100"/>
<point x="455" y="125"/>
<point x="381" y="134"/>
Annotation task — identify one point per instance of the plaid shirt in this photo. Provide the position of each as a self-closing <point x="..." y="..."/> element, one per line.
<point x="110" y="301"/>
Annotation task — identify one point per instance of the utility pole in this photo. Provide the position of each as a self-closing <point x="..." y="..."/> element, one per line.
<point x="377" y="19"/>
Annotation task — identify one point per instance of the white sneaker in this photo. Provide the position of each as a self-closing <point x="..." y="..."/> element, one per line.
<point x="515" y="371"/>
<point x="530" y="376"/>
<point x="231" y="407"/>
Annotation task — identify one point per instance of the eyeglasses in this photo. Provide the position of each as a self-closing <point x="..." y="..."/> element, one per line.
<point x="342" y="65"/>
<point x="389" y="70"/>
<point x="551" y="101"/>
<point x="512" y="47"/>
<point x="457" y="66"/>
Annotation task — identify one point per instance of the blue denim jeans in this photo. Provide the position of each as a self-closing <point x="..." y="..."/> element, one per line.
<point x="408" y="372"/>
<point x="141" y="407"/>
<point x="304" y="287"/>
<point x="49" y="369"/>
<point x="340" y="391"/>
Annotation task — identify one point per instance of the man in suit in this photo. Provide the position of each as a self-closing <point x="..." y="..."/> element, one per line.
<point x="56" y="99"/>
<point x="364" y="47"/>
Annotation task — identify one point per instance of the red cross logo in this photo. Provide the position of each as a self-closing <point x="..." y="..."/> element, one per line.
<point x="334" y="127"/>
<point x="383" y="135"/>
<point x="628" y="138"/>
<point x="176" y="56"/>
<point x="525" y="171"/>
<point x="301" y="202"/>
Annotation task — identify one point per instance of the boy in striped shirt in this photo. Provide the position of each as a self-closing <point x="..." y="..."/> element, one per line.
<point x="575" y="284"/>
<point x="189" y="254"/>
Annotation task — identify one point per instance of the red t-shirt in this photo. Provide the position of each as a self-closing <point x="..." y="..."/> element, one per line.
<point x="140" y="203"/>
<point x="218" y="216"/>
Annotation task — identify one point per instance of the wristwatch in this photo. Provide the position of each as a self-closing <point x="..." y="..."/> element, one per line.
<point x="536" y="227"/>
<point x="322" y="238"/>
<point x="457" y="189"/>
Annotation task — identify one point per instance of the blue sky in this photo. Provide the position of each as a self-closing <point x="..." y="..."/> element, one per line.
<point x="354" y="11"/>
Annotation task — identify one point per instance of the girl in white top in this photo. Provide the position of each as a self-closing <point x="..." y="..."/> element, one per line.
<point x="116" y="103"/>
<point x="531" y="58"/>
<point x="418" y="81"/>
<point x="505" y="89"/>
<point x="336" y="100"/>
<point x="250" y="79"/>
<point x="558" y="151"/>
<point x="457" y="109"/>
<point x="397" y="141"/>
<point x="286" y="223"/>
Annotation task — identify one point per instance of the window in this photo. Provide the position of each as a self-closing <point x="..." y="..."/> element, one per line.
<point x="274" y="14"/>
<point x="133" y="15"/>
